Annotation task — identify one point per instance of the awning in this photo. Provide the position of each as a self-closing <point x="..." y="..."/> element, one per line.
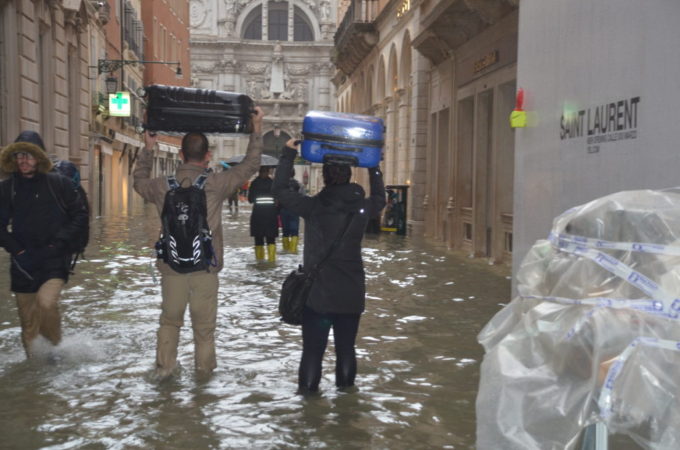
<point x="125" y="139"/>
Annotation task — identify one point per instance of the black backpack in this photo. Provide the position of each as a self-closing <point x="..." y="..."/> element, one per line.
<point x="185" y="243"/>
<point x="69" y="170"/>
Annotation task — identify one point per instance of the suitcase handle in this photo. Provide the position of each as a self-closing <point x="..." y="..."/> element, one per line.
<point x="342" y="149"/>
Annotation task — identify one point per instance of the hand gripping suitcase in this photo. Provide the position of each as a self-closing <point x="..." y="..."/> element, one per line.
<point x="341" y="138"/>
<point x="181" y="109"/>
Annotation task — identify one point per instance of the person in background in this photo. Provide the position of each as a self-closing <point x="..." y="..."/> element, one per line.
<point x="264" y="219"/>
<point x="46" y="215"/>
<point x="290" y="221"/>
<point x="196" y="289"/>
<point x="337" y="296"/>
<point x="233" y="198"/>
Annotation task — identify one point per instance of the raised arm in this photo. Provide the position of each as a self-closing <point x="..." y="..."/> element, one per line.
<point x="143" y="183"/>
<point x="291" y="200"/>
<point x="230" y="180"/>
<point x="376" y="200"/>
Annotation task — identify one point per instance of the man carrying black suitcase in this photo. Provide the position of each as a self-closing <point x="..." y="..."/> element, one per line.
<point x="197" y="288"/>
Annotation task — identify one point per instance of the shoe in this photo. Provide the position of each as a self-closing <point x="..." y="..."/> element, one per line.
<point x="286" y="243"/>
<point x="293" y="245"/>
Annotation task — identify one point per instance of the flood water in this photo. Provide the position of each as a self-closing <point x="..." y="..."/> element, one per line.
<point x="417" y="354"/>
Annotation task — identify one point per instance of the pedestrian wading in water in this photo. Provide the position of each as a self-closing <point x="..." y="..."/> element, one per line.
<point x="337" y="297"/>
<point x="180" y="285"/>
<point x="264" y="224"/>
<point x="47" y="217"/>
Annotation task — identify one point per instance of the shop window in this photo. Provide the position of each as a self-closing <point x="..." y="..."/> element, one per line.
<point x="253" y="25"/>
<point x="467" y="231"/>
<point x="508" y="242"/>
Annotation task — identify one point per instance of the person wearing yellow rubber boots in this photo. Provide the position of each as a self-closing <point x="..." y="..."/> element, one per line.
<point x="290" y="221"/>
<point x="263" y="221"/>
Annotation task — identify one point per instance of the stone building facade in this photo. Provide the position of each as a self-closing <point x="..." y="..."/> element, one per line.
<point x="44" y="75"/>
<point x="441" y="73"/>
<point x="277" y="52"/>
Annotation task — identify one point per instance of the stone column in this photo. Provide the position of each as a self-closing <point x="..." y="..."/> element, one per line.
<point x="390" y="139"/>
<point x="403" y="144"/>
<point x="324" y="95"/>
<point x="291" y="21"/>
<point x="419" y="121"/>
<point x="265" y="21"/>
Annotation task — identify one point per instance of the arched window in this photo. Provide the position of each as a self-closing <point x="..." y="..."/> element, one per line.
<point x="278" y="21"/>
<point x="273" y="142"/>
<point x="302" y="27"/>
<point x="253" y="24"/>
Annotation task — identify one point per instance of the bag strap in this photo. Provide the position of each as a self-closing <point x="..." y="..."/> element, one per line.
<point x="199" y="183"/>
<point x="315" y="270"/>
<point x="172" y="182"/>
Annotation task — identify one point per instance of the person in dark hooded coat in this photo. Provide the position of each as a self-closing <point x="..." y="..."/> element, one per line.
<point x="46" y="216"/>
<point x="264" y="223"/>
<point x="337" y="297"/>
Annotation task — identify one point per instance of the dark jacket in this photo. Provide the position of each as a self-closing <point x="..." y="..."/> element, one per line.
<point x="340" y="285"/>
<point x="263" y="221"/>
<point x="46" y="216"/>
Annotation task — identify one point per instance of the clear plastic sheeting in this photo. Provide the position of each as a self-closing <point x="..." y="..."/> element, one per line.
<point x="593" y="335"/>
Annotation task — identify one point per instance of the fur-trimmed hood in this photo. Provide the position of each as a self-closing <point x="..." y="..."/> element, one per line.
<point x="9" y="164"/>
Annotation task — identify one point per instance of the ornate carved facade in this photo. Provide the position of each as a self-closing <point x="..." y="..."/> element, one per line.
<point x="279" y="53"/>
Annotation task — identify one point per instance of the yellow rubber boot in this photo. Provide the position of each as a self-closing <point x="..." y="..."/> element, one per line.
<point x="286" y="243"/>
<point x="271" y="252"/>
<point x="259" y="252"/>
<point x="292" y="246"/>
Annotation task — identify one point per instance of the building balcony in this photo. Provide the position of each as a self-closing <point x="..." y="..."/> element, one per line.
<point x="356" y="35"/>
<point x="451" y="23"/>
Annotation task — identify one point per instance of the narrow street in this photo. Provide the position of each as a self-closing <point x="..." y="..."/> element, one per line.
<point x="418" y="355"/>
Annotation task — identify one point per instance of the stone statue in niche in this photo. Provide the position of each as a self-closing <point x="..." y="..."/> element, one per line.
<point x="229" y="17"/>
<point x="325" y="11"/>
<point x="276" y="72"/>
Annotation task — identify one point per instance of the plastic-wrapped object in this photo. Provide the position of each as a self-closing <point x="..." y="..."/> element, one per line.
<point x="593" y="334"/>
<point x="181" y="109"/>
<point x="342" y="138"/>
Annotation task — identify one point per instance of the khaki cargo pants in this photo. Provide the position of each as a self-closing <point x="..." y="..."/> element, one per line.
<point x="199" y="291"/>
<point x="39" y="314"/>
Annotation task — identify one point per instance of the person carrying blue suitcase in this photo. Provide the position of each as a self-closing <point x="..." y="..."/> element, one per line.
<point x="335" y="220"/>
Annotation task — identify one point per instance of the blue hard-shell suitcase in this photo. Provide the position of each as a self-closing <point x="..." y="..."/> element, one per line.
<point x="342" y="138"/>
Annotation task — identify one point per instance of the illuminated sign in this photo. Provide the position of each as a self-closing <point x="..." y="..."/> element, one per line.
<point x="403" y="8"/>
<point x="119" y="104"/>
<point x="487" y="60"/>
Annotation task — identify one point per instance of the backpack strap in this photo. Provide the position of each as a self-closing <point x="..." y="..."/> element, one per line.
<point x="172" y="182"/>
<point x="202" y="178"/>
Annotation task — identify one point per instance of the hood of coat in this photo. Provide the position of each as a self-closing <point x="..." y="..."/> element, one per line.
<point x="9" y="164"/>
<point x="345" y="197"/>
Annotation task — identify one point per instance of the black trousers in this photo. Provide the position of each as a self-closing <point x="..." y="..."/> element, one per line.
<point x="315" y="330"/>
<point x="259" y="240"/>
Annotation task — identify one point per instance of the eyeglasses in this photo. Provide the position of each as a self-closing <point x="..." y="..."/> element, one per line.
<point x="22" y="155"/>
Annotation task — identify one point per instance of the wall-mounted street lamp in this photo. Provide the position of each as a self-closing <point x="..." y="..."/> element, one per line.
<point x="111" y="65"/>
<point x="111" y="84"/>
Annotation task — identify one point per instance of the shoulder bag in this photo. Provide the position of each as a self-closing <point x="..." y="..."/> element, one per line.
<point x="298" y="284"/>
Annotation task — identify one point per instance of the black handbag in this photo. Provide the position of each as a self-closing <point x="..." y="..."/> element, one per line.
<point x="298" y="284"/>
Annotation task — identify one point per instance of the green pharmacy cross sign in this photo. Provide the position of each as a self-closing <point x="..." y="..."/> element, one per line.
<point x="119" y="104"/>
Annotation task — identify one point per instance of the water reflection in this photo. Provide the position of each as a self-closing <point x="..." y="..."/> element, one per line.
<point x="417" y="355"/>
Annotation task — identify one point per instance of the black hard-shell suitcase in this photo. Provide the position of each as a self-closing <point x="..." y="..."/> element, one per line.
<point x="182" y="109"/>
